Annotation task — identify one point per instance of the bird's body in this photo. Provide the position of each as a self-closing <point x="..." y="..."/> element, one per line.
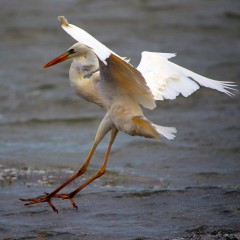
<point x="121" y="108"/>
<point x="99" y="75"/>
<point x="96" y="82"/>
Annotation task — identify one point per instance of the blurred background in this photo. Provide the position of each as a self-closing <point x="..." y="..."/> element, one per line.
<point x="44" y="125"/>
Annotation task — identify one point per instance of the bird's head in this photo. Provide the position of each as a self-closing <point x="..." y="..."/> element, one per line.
<point x="75" y="51"/>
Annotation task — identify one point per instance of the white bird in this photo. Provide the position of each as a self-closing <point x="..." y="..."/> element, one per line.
<point x="99" y="75"/>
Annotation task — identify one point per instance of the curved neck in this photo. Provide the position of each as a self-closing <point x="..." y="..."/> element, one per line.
<point x="86" y="65"/>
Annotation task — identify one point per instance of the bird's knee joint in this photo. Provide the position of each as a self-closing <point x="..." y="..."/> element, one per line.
<point x="82" y="170"/>
<point x="101" y="171"/>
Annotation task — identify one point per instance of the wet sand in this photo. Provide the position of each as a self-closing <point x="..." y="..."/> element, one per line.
<point x="188" y="188"/>
<point x="114" y="208"/>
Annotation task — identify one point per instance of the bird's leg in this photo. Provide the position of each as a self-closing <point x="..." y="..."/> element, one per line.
<point x="98" y="174"/>
<point x="47" y="197"/>
<point x="103" y="129"/>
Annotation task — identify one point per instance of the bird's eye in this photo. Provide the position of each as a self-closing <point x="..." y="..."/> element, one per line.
<point x="71" y="51"/>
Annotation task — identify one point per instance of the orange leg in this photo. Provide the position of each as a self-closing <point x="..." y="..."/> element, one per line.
<point x="47" y="197"/>
<point x="103" y="129"/>
<point x="98" y="174"/>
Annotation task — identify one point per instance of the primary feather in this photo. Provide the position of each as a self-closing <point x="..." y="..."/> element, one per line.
<point x="165" y="79"/>
<point x="82" y="36"/>
<point x="155" y="78"/>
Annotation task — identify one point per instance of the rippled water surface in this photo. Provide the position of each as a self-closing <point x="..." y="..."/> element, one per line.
<point x="184" y="188"/>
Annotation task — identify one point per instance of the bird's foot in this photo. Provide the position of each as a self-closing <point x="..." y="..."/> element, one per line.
<point x="64" y="196"/>
<point x="40" y="199"/>
<point x="47" y="198"/>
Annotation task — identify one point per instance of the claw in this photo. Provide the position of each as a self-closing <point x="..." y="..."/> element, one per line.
<point x="33" y="200"/>
<point x="64" y="196"/>
<point x="73" y="204"/>
<point x="36" y="200"/>
<point x="46" y="198"/>
<point x="52" y="206"/>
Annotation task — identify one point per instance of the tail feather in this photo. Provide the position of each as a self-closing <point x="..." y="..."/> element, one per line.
<point x="167" y="132"/>
<point x="150" y="130"/>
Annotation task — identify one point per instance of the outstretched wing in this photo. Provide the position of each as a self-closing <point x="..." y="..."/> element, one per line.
<point x="167" y="80"/>
<point x="126" y="79"/>
<point x="82" y="36"/>
<point x="124" y="76"/>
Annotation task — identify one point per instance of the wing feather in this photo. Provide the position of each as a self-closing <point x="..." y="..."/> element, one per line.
<point x="127" y="80"/>
<point x="165" y="79"/>
<point x="168" y="80"/>
<point x="82" y="36"/>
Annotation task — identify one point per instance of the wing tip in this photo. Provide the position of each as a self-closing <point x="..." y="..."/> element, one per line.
<point x="164" y="55"/>
<point x="63" y="21"/>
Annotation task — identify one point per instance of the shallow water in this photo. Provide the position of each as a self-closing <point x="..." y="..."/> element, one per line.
<point x="152" y="190"/>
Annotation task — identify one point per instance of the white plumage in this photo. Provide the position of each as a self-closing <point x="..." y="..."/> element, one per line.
<point x="83" y="37"/>
<point x="165" y="79"/>
<point x="101" y="76"/>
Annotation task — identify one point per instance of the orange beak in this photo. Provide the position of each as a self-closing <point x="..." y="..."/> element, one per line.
<point x="57" y="60"/>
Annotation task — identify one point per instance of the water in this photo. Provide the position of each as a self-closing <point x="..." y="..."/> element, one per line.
<point x="151" y="190"/>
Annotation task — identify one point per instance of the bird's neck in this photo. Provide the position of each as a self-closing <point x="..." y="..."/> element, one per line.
<point x="86" y="65"/>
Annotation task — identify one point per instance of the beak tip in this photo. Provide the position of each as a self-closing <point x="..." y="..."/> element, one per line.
<point x="57" y="60"/>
